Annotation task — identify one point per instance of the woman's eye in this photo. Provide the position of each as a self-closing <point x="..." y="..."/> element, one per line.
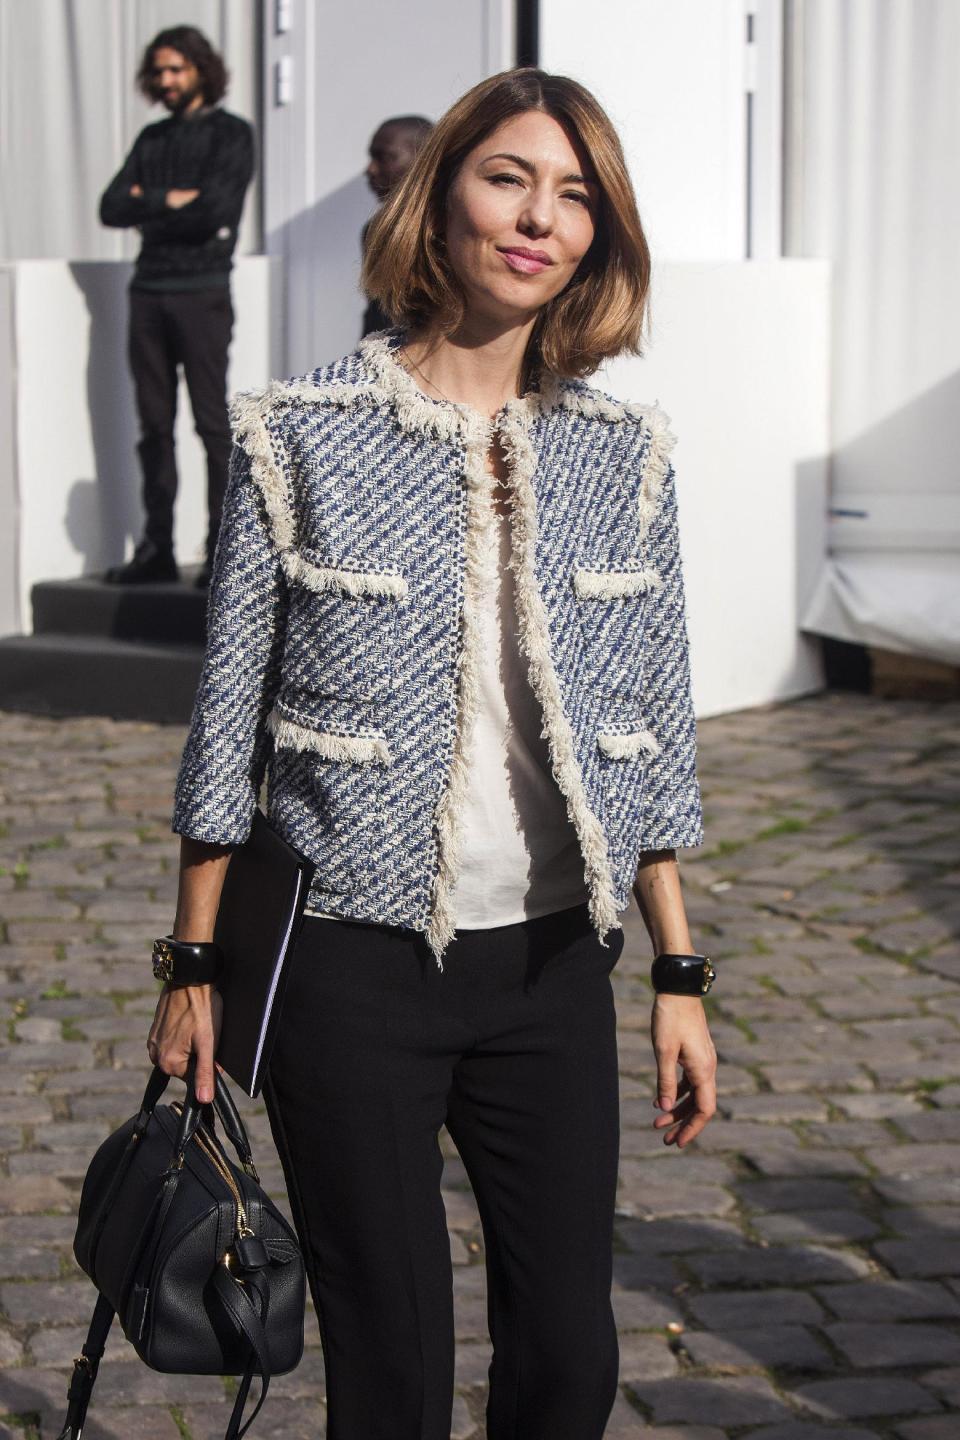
<point x="577" y="195"/>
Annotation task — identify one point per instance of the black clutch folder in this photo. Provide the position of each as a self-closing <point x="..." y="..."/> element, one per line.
<point x="258" y="922"/>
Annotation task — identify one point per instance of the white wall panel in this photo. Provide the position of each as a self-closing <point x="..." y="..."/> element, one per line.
<point x="347" y="68"/>
<point x="874" y="156"/>
<point x="9" y="489"/>
<point x="74" y="504"/>
<point x="737" y="362"/>
<point x="671" y="75"/>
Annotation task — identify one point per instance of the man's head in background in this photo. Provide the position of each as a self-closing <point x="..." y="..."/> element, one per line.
<point x="393" y="149"/>
<point x="181" y="70"/>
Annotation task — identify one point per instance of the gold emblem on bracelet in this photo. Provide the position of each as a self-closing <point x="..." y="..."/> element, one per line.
<point x="709" y="975"/>
<point x="162" y="960"/>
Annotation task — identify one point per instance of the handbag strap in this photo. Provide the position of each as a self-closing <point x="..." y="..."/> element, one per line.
<point x="155" y="1088"/>
<point x="144" y="1252"/>
<point x="250" y="1321"/>
<point x="85" y="1369"/>
<point x="246" y="1317"/>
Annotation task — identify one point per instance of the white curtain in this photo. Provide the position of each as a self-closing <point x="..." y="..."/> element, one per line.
<point x="69" y="112"/>
<point x="873" y="183"/>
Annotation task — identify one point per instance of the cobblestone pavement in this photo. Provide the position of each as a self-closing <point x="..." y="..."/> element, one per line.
<point x="796" y="1274"/>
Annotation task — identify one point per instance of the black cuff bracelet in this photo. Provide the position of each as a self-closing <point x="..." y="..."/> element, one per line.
<point x="682" y="974"/>
<point x="180" y="962"/>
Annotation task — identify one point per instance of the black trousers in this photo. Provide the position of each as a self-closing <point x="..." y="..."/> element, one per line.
<point x="513" y="1047"/>
<point x="191" y="328"/>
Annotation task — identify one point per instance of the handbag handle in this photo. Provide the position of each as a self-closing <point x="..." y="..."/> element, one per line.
<point x="223" y="1104"/>
<point x="233" y="1125"/>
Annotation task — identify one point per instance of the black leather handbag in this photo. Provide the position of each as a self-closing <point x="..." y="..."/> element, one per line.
<point x="188" y="1250"/>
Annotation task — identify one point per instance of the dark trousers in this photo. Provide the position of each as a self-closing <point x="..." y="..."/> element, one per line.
<point x="513" y="1047"/>
<point x="191" y="328"/>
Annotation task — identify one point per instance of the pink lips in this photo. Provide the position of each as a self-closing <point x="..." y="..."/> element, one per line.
<point x="528" y="262"/>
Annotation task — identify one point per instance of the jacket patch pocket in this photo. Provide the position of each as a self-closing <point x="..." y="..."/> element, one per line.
<point x="342" y="626"/>
<point x="346" y="574"/>
<point x="326" y="787"/>
<point x="328" y="738"/>
<point x="627" y="750"/>
<point x="613" y="580"/>
<point x="627" y="744"/>
<point x="611" y="595"/>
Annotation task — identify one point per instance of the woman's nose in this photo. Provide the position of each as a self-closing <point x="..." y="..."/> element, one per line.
<point x="537" y="218"/>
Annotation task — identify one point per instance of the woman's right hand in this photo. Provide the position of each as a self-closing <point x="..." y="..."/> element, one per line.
<point x="187" y="1021"/>
<point x="188" y="1017"/>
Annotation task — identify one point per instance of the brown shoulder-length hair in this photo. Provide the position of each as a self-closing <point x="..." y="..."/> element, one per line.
<point x="600" y="313"/>
<point x="194" y="46"/>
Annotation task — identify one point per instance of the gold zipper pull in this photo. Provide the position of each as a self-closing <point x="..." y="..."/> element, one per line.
<point x="212" y="1155"/>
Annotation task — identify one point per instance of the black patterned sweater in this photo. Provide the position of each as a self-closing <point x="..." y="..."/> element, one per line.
<point x="192" y="247"/>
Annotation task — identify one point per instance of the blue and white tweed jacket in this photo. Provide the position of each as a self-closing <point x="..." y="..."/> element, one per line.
<point x="343" y="631"/>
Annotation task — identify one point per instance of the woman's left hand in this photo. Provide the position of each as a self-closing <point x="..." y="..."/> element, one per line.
<point x="681" y="1037"/>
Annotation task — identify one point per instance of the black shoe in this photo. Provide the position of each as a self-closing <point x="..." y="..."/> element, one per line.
<point x="149" y="563"/>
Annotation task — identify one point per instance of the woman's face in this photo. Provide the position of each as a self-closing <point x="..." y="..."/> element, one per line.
<point x="521" y="215"/>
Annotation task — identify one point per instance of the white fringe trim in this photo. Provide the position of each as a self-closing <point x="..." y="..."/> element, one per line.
<point x="415" y="410"/>
<point x="625" y="746"/>
<point x="593" y="404"/>
<point x="417" y="413"/>
<point x="249" y="413"/>
<point x="609" y="584"/>
<point x="446" y="418"/>
<point x="448" y="818"/>
<point x="359" y="749"/>
<point x="656" y="467"/>
<point x="351" y="582"/>
<point x="534" y="638"/>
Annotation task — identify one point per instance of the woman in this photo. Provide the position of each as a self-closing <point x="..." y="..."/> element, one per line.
<point x="447" y="613"/>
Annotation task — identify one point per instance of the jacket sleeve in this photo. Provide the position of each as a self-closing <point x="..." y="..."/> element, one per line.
<point x="120" y="209"/>
<point x="220" y="202"/>
<point x="672" y="813"/>
<point x="226" y="751"/>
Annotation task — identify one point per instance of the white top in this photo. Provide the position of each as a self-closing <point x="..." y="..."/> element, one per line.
<point x="519" y="854"/>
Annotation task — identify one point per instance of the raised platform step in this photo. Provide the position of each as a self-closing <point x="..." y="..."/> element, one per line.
<point x="71" y="674"/>
<point x="168" y="613"/>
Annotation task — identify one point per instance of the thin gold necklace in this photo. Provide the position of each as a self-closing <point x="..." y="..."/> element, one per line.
<point x="410" y="360"/>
